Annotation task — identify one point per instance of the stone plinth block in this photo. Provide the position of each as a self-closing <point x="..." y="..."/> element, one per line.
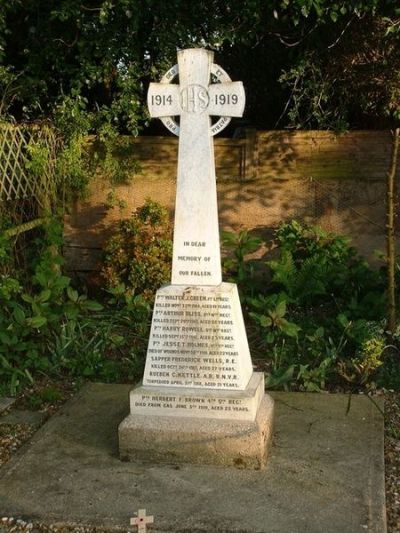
<point x="176" y="439"/>
<point x="204" y="403"/>
<point x="198" y="339"/>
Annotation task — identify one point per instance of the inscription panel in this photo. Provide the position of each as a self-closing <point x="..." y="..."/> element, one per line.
<point x="178" y="402"/>
<point x="195" y="341"/>
<point x="189" y="406"/>
<point x="193" y="262"/>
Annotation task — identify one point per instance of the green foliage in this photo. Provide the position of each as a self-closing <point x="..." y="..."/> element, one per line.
<point x="72" y="166"/>
<point x="39" y="155"/>
<point x="30" y="316"/>
<point x="139" y="254"/>
<point x="236" y="264"/>
<point x="308" y="337"/>
<point x="82" y="156"/>
<point x="316" y="265"/>
<point x="8" y="90"/>
<point x="369" y="343"/>
<point x="318" y="321"/>
<point x="308" y="241"/>
<point x="281" y="369"/>
<point x="310" y="58"/>
<point x="111" y="156"/>
<point x="47" y="327"/>
<point x="335" y="85"/>
<point x="47" y="395"/>
<point x="269" y="313"/>
<point x="70" y="117"/>
<point x="107" y="345"/>
<point x="312" y="94"/>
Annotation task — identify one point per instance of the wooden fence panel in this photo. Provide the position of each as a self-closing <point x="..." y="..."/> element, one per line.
<point x="336" y="181"/>
<point x="324" y="155"/>
<point x="157" y="157"/>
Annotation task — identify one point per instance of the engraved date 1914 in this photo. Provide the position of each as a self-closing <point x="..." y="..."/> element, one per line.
<point x="220" y="99"/>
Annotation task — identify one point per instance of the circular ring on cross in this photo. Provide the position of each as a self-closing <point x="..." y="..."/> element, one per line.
<point x="219" y="75"/>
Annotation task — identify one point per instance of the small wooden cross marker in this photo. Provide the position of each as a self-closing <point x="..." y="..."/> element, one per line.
<point x="141" y="520"/>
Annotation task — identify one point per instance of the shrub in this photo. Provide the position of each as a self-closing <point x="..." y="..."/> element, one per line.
<point x="34" y="309"/>
<point x="139" y="254"/>
<point x="317" y="266"/>
<point x="47" y="327"/>
<point x="317" y="319"/>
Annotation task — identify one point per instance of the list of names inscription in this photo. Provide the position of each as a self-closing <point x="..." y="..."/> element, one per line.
<point x="192" y="342"/>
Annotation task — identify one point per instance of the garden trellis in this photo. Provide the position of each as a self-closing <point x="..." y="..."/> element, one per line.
<point x="27" y="174"/>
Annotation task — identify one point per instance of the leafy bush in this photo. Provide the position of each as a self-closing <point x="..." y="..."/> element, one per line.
<point x="47" y="327"/>
<point x="108" y="345"/>
<point x="139" y="254"/>
<point x="315" y="320"/>
<point x="269" y="313"/>
<point x="315" y="264"/>
<point x="318" y="321"/>
<point x="236" y="265"/>
<point x="80" y="156"/>
<point x="32" y="311"/>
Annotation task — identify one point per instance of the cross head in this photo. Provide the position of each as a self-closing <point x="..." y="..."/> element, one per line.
<point x="224" y="98"/>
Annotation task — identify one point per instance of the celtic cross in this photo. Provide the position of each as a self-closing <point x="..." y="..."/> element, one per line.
<point x="196" y="251"/>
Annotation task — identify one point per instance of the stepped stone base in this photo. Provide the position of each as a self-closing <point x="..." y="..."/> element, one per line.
<point x="201" y="403"/>
<point x="198" y="440"/>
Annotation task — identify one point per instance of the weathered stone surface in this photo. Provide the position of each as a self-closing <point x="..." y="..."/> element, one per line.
<point x="325" y="473"/>
<point x="196" y="254"/>
<point x="19" y="416"/>
<point x="204" y="403"/>
<point x="223" y="441"/>
<point x="5" y="403"/>
<point x="198" y="339"/>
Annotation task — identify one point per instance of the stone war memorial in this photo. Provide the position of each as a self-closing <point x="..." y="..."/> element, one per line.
<point x="200" y="400"/>
<point x="186" y="454"/>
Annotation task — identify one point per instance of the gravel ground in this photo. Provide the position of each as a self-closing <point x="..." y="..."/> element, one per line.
<point x="13" y="436"/>
<point x="392" y="460"/>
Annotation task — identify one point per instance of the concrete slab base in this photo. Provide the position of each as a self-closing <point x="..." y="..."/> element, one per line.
<point x="17" y="416"/>
<point x="193" y="440"/>
<point x="325" y="473"/>
<point x="5" y="403"/>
